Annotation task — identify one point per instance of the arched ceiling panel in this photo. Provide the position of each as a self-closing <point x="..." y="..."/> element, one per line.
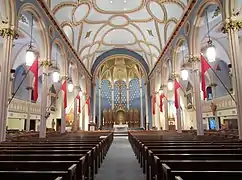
<point x="140" y="25"/>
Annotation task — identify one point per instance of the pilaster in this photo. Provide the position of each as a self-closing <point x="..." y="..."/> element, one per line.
<point x="232" y="25"/>
<point x="141" y="105"/>
<point x="8" y="34"/>
<point x="196" y="65"/>
<point x="178" y="111"/>
<point x="165" y="102"/>
<point x="76" y="93"/>
<point x="45" y="64"/>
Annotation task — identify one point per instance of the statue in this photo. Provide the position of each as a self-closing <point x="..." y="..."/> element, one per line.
<point x="213" y="108"/>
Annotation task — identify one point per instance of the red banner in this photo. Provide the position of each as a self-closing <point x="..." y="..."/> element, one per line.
<point x="34" y="69"/>
<point x="63" y="88"/>
<point x="177" y="86"/>
<point x="204" y="67"/>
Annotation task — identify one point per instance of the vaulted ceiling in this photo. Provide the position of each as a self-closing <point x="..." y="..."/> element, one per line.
<point x="96" y="26"/>
<point x="120" y="68"/>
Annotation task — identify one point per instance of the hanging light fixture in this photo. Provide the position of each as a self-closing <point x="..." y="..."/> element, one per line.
<point x="170" y="85"/>
<point x="56" y="74"/>
<point x="70" y="86"/>
<point x="184" y="71"/>
<point x="30" y="55"/>
<point x="211" y="50"/>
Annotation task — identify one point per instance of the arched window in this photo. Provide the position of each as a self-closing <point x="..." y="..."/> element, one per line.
<point x="209" y="93"/>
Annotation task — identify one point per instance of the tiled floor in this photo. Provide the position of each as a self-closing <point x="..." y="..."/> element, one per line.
<point x="120" y="163"/>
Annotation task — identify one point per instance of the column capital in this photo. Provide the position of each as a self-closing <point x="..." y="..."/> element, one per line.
<point x="156" y="92"/>
<point x="213" y="85"/>
<point x="6" y="31"/>
<point x="46" y="63"/>
<point x="174" y="76"/>
<point x="64" y="77"/>
<point x="162" y="86"/>
<point x="77" y="88"/>
<point x="29" y="88"/>
<point x="232" y="23"/>
<point x="194" y="59"/>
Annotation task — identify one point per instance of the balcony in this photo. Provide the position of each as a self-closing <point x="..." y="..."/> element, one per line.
<point x="223" y="103"/>
<point x="21" y="106"/>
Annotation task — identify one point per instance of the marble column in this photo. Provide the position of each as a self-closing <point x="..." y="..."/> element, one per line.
<point x="197" y="94"/>
<point x="157" y="115"/>
<point x="75" y="94"/>
<point x="146" y="106"/>
<point x="112" y="96"/>
<point x="44" y="96"/>
<point x="29" y="106"/>
<point x="94" y="102"/>
<point x="153" y="115"/>
<point x="165" y="102"/>
<point x="63" y="110"/>
<point x="99" y="105"/>
<point x="5" y="79"/>
<point x="234" y="46"/>
<point x="83" y="111"/>
<point x="178" y="111"/>
<point x="141" y="106"/>
<point x="127" y="94"/>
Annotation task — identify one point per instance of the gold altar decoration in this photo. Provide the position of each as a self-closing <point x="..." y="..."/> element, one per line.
<point x="113" y="117"/>
<point x="70" y="118"/>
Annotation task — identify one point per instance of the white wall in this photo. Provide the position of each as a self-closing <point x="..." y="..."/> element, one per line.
<point x="15" y="124"/>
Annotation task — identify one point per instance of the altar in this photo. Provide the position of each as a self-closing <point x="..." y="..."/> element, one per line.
<point x="120" y="128"/>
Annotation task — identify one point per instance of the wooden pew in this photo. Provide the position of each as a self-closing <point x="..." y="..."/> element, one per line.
<point x="183" y="155"/>
<point x="51" y="151"/>
<point x="195" y="165"/>
<point x="69" y="174"/>
<point x="170" y="174"/>
<point x="43" y="166"/>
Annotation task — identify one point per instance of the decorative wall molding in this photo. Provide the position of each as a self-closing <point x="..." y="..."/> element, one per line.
<point x="20" y="106"/>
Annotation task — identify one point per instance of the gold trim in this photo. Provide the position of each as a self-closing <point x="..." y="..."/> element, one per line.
<point x="234" y="25"/>
<point x="45" y="63"/>
<point x="6" y="32"/>
<point x="194" y="59"/>
<point x="76" y="23"/>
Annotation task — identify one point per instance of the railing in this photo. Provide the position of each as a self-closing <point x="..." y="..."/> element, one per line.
<point x="225" y="102"/>
<point x="21" y="106"/>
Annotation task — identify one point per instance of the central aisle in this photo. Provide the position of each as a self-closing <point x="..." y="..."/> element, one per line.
<point x="120" y="163"/>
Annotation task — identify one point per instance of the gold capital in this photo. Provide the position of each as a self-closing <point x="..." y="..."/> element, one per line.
<point x="231" y="24"/>
<point x="6" y="32"/>
<point x="46" y="63"/>
<point x="193" y="59"/>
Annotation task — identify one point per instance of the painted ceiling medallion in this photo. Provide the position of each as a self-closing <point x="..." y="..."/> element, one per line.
<point x="80" y="13"/>
<point x="118" y="6"/>
<point x="118" y="21"/>
<point x="156" y="11"/>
